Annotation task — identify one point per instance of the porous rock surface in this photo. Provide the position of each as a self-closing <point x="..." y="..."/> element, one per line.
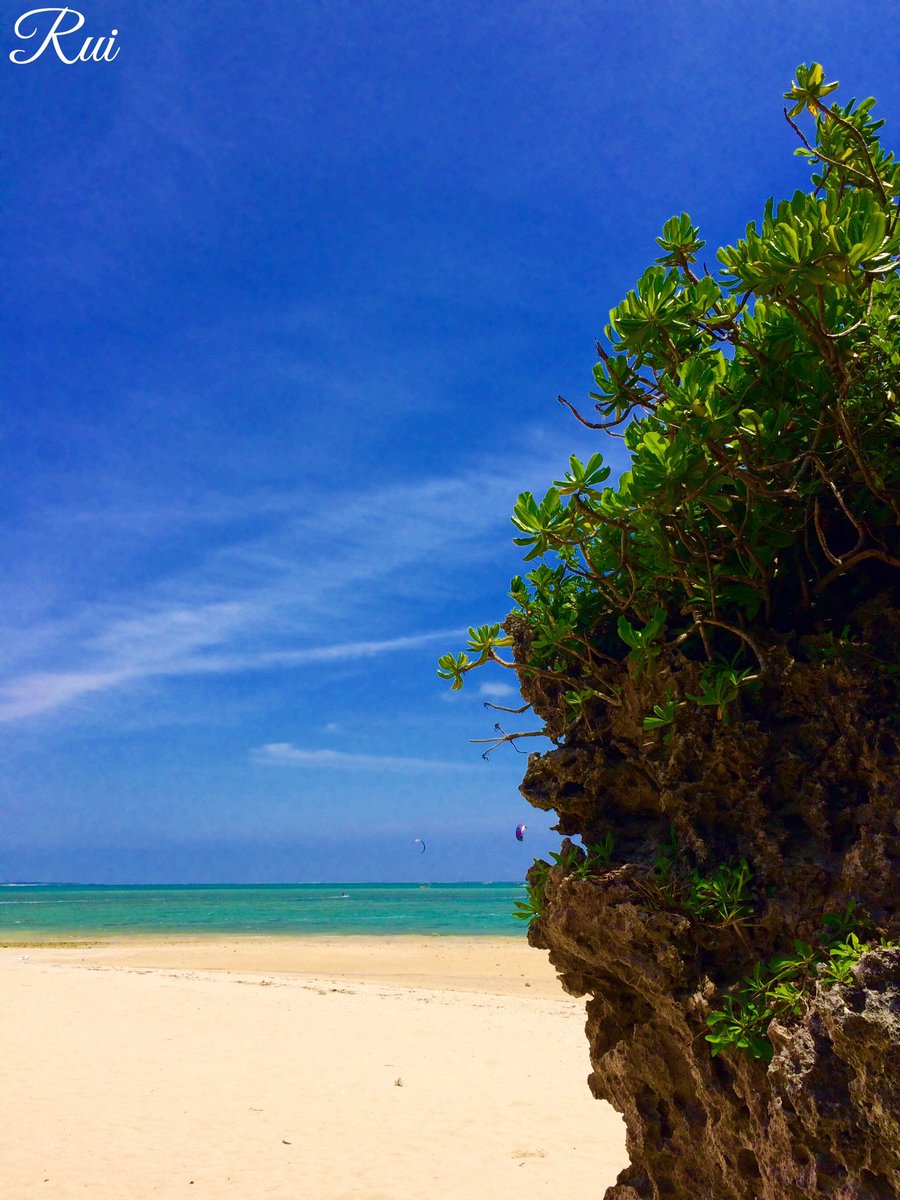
<point x="803" y="782"/>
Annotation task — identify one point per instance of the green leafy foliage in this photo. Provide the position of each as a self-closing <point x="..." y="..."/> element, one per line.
<point x="642" y="642"/>
<point x="759" y="407"/>
<point x="722" y="897"/>
<point x="483" y="641"/>
<point x="720" y="685"/>
<point x="740" y="1024"/>
<point x="840" y="924"/>
<point x="662" y="716"/>
<point x="666" y="879"/>
<point x="578" y="864"/>
<point x="808" y="90"/>
<point x="782" y="987"/>
<point x="842" y="957"/>
<point x="779" y="988"/>
<point x="597" y="856"/>
<point x="530" y="908"/>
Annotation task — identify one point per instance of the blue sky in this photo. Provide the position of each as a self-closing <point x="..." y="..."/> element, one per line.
<point x="291" y="289"/>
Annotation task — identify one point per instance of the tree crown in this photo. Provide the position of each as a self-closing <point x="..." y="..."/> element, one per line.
<point x="760" y="409"/>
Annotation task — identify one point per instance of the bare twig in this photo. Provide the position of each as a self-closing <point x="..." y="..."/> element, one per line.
<point x="849" y="563"/>
<point x="512" y="738"/>
<point x="587" y="424"/>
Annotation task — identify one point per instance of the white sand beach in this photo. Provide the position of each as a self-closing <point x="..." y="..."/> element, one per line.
<point x="313" y="1068"/>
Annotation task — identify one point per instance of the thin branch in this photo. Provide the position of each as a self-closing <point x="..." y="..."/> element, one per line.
<point x="832" y="162"/>
<point x="683" y="637"/>
<point x="818" y="337"/>
<point x="623" y="559"/>
<point x="587" y="424"/>
<point x="744" y="636"/>
<point x="856" y="451"/>
<point x="701" y="627"/>
<point x="846" y="511"/>
<point x="862" y="320"/>
<point x="804" y="590"/>
<point x="828" y="579"/>
<point x="512" y="738"/>
<point x="607" y="426"/>
<point x="741" y="545"/>
<point x="832" y="558"/>
<point x="831" y="114"/>
<point x="686" y="267"/>
<point x="595" y="651"/>
<point x="501" y="662"/>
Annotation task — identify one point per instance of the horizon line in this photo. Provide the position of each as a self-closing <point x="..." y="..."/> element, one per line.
<point x="257" y="883"/>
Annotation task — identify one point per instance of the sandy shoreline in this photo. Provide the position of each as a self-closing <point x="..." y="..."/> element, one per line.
<point x="496" y="966"/>
<point x="323" y="1068"/>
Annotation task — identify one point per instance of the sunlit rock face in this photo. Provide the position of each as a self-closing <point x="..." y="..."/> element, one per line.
<point x="802" y="782"/>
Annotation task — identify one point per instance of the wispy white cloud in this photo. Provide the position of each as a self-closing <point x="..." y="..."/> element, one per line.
<point x="348" y="651"/>
<point x="286" y="754"/>
<point x="276" y="597"/>
<point x="496" y="690"/>
<point x="43" y="691"/>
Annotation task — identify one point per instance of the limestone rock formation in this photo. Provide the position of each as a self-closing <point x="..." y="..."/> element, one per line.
<point x="803" y="783"/>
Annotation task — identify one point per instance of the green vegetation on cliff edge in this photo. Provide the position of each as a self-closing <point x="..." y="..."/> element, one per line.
<point x="760" y="409"/>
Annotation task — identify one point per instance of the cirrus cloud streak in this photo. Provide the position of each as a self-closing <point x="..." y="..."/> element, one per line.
<point x="286" y="754"/>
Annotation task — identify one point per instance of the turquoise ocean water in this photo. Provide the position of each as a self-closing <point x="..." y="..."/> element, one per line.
<point x="44" y="911"/>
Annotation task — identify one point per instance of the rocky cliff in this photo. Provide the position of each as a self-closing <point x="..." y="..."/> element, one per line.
<point x="800" y="781"/>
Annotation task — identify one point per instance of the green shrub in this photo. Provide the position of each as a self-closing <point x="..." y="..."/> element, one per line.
<point x="760" y="410"/>
<point x="572" y="862"/>
<point x="779" y="989"/>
